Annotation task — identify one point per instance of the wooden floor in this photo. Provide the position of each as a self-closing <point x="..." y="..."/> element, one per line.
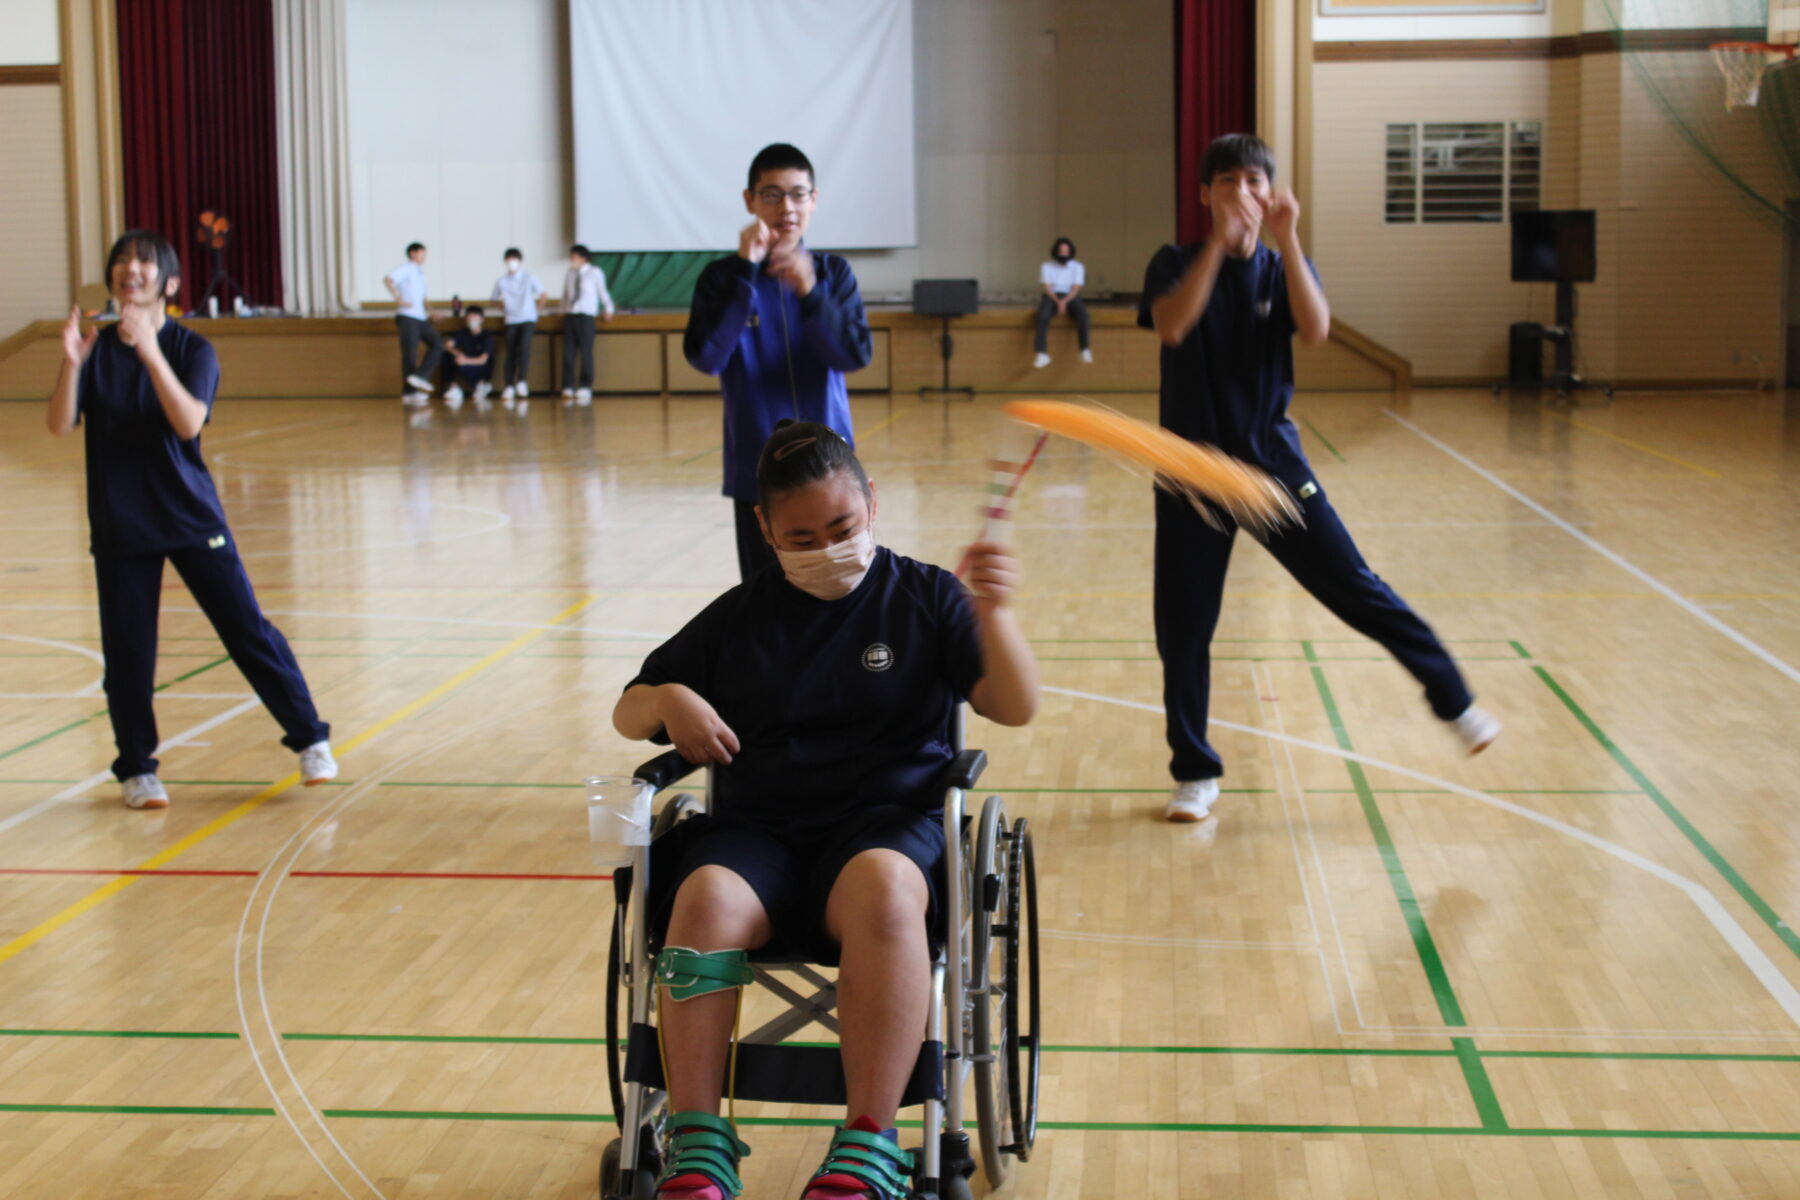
<point x="1562" y="969"/>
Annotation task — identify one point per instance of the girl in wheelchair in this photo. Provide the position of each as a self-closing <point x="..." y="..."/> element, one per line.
<point x="825" y="696"/>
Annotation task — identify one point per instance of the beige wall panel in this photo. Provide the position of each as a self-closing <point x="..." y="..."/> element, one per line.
<point x="628" y="362"/>
<point x="1700" y="266"/>
<point x="34" y="234"/>
<point x="1439" y="295"/>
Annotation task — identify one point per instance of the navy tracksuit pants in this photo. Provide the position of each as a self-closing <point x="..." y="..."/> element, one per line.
<point x="130" y="598"/>
<point x="1191" y="558"/>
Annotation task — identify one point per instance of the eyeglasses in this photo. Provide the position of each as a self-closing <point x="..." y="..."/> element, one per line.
<point x="773" y="196"/>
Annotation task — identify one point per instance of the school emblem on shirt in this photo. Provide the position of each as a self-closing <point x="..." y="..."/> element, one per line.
<point x="877" y="658"/>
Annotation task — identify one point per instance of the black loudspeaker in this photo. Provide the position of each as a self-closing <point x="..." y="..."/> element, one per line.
<point x="946" y="297"/>
<point x="1525" y="354"/>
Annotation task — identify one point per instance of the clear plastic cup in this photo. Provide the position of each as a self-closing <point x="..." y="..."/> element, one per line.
<point x="618" y="818"/>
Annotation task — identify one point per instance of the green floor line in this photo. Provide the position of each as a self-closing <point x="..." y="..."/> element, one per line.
<point x="1520" y="650"/>
<point x="983" y="789"/>
<point x="1739" y="884"/>
<point x="396" y="1114"/>
<point x="1481" y="1088"/>
<point x="1487" y="1104"/>
<point x="102" y="712"/>
<point x="1323" y="440"/>
<point x="1244" y="1051"/>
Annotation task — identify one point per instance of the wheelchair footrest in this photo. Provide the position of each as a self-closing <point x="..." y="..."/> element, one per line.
<point x="784" y="1073"/>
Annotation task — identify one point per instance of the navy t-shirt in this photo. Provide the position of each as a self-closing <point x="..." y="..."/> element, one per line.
<point x="148" y="490"/>
<point x="837" y="704"/>
<point x="472" y="344"/>
<point x="1230" y="380"/>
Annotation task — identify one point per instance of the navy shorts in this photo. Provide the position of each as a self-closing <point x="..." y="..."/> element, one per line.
<point x="793" y="873"/>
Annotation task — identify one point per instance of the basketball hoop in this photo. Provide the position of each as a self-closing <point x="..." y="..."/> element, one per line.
<point x="1743" y="64"/>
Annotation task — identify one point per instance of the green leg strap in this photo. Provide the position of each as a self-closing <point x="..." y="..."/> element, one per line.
<point x="690" y="973"/>
<point x="872" y="1160"/>
<point x="702" y="1144"/>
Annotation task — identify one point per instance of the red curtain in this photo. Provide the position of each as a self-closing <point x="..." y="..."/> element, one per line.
<point x="1215" y="93"/>
<point x="197" y="81"/>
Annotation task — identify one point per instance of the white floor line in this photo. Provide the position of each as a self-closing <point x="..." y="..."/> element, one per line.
<point x="1140" y="939"/>
<point x="274" y="873"/>
<point x="1266" y="690"/>
<point x="1612" y="556"/>
<point x="95" y="780"/>
<point x="92" y="689"/>
<point x="1780" y="989"/>
<point x="500" y="521"/>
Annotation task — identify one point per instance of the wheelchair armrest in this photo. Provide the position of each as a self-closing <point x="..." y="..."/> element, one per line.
<point x="665" y="769"/>
<point x="965" y="769"/>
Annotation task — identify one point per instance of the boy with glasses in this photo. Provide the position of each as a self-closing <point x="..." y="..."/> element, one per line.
<point x="780" y="325"/>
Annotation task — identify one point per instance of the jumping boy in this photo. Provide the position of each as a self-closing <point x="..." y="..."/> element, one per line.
<point x="825" y="690"/>
<point x="1227" y="310"/>
<point x="144" y="389"/>
<point x="406" y="284"/>
<point x="780" y="325"/>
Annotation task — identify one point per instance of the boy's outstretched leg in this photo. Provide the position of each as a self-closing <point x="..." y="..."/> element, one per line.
<point x="1324" y="560"/>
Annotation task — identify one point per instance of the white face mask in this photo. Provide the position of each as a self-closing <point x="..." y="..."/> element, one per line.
<point x="513" y="265"/>
<point x="833" y="572"/>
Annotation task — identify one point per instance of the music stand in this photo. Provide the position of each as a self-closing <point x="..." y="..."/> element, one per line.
<point x="946" y="298"/>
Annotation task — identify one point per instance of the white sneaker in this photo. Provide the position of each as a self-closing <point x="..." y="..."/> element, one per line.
<point x="452" y="404"/>
<point x="422" y="384"/>
<point x="145" y="791"/>
<point x="1477" y="728"/>
<point x="483" y="389"/>
<point x="455" y="394"/>
<point x="1192" y="801"/>
<point x="584" y="397"/>
<point x="1042" y="360"/>
<point x="508" y="395"/>
<point x="1087" y="356"/>
<point x="523" y="390"/>
<point x="316" y="764"/>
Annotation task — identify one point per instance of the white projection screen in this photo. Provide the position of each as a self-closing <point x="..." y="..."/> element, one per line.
<point x="673" y="98"/>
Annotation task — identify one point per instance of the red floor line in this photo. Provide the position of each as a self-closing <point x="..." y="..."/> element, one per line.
<point x="300" y="874"/>
<point x="432" y="875"/>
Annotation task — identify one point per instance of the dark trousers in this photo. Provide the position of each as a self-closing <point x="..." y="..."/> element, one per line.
<point x="579" y="340"/>
<point x="130" y="599"/>
<point x="470" y="375"/>
<point x="1191" y="558"/>
<point x="412" y="332"/>
<point x="518" y="351"/>
<point x="754" y="552"/>
<point x="1047" y="313"/>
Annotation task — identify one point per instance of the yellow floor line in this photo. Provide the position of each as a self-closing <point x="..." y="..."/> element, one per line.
<point x="105" y="892"/>
<point x="1680" y="462"/>
<point x="878" y="427"/>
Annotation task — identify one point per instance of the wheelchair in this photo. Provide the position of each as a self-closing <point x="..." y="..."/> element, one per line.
<point x="982" y="1024"/>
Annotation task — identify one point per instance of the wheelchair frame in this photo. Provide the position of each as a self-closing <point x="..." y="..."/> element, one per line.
<point x="982" y="1024"/>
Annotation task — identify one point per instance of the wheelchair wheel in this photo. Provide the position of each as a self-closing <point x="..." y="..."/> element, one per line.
<point x="642" y="1185"/>
<point x="1023" y="1046"/>
<point x="1003" y="978"/>
<point x="615" y="1074"/>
